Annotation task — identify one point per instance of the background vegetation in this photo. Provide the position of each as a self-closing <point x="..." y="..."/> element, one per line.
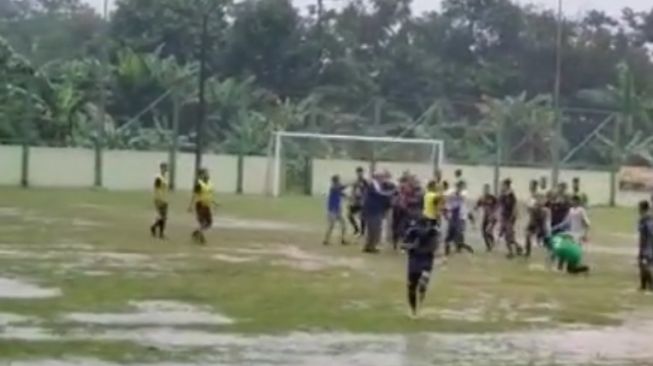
<point x="461" y="74"/>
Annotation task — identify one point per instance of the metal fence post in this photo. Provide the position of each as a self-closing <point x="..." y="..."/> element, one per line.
<point x="616" y="160"/>
<point x="378" y="109"/>
<point x="498" y="154"/>
<point x="25" y="129"/>
<point x="174" y="141"/>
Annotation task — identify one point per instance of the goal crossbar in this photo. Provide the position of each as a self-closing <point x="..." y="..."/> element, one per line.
<point x="404" y="140"/>
<point x="436" y="152"/>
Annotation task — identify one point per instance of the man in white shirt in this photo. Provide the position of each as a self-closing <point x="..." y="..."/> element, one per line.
<point x="577" y="223"/>
<point x="457" y="214"/>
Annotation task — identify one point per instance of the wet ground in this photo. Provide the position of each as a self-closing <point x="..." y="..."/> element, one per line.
<point x="201" y="332"/>
<point x="611" y="346"/>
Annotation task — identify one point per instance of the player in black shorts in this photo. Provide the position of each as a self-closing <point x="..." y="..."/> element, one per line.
<point x="538" y="223"/>
<point x="645" y="255"/>
<point x="421" y="245"/>
<point x="488" y="204"/>
<point x="508" y="217"/>
<point x="559" y="205"/>
<point x="354" y="212"/>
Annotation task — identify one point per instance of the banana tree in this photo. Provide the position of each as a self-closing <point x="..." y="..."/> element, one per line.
<point x="524" y="125"/>
<point x="466" y="140"/>
<point x="633" y="123"/>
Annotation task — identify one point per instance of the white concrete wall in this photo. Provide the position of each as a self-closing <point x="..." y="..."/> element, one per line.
<point x="121" y="169"/>
<point x="60" y="167"/>
<point x="222" y="168"/>
<point x="135" y="170"/>
<point x="130" y="170"/>
<point x="323" y="170"/>
<point x="10" y="164"/>
<point x="595" y="184"/>
<point x="255" y="175"/>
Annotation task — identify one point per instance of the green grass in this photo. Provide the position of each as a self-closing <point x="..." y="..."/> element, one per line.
<point x="268" y="297"/>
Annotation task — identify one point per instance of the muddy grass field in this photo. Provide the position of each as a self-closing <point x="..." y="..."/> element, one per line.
<point x="82" y="283"/>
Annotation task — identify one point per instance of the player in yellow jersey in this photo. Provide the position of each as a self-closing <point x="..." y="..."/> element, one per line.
<point x="203" y="203"/>
<point x="433" y="204"/>
<point x="160" y="202"/>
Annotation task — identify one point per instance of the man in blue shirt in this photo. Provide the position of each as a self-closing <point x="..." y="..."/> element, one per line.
<point x="334" y="210"/>
<point x="375" y="206"/>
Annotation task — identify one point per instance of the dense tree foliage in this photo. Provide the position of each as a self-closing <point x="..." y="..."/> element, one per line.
<point x="468" y="73"/>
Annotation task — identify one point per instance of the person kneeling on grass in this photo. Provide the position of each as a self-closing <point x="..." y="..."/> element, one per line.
<point x="568" y="253"/>
<point x="421" y="245"/>
<point x="645" y="255"/>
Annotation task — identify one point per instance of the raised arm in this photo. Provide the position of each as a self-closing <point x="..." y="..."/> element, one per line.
<point x="586" y="219"/>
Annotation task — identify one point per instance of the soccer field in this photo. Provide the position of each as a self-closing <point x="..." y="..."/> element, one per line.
<point x="83" y="283"/>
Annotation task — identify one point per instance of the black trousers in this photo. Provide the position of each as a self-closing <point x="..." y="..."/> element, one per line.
<point x="645" y="275"/>
<point x="355" y="218"/>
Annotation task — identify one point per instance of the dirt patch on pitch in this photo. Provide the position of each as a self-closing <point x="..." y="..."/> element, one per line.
<point x="613" y="250"/>
<point x="295" y="257"/>
<point x="160" y="313"/>
<point x="11" y="288"/>
<point x="30" y="216"/>
<point x="236" y="223"/>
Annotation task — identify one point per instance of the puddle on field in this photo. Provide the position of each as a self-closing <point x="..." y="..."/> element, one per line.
<point x="84" y="223"/>
<point x="165" y="313"/>
<point x="601" y="346"/>
<point x="20" y="289"/>
<point x="234" y="259"/>
<point x="29" y="216"/>
<point x="13" y="319"/>
<point x="78" y="258"/>
<point x="295" y="257"/>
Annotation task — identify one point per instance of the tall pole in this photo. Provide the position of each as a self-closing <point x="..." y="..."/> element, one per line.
<point x="557" y="134"/>
<point x="276" y="190"/>
<point x="499" y="154"/>
<point x="378" y="110"/>
<point x="320" y="14"/>
<point x="103" y="98"/>
<point x="174" y="142"/>
<point x="25" y="130"/>
<point x="201" y="108"/>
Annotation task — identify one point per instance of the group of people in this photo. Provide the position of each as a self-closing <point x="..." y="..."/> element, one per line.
<point x="202" y="204"/>
<point x="417" y="219"/>
<point x="380" y="203"/>
<point x="421" y="218"/>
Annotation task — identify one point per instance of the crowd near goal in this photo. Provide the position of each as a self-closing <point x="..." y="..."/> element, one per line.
<point x="322" y="155"/>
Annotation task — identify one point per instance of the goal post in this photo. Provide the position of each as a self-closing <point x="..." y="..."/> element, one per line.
<point x="427" y="152"/>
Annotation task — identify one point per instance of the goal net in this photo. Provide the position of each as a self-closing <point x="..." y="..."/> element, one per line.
<point x="302" y="162"/>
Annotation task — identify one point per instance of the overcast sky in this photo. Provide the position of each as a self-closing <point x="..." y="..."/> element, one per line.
<point x="572" y="7"/>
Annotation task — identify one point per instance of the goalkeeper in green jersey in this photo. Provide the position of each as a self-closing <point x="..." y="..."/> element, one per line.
<point x="568" y="253"/>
